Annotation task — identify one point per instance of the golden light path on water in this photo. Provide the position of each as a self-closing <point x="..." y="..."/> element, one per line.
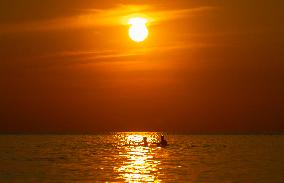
<point x="139" y="163"/>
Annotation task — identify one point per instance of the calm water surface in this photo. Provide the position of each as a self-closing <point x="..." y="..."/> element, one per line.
<point x="117" y="157"/>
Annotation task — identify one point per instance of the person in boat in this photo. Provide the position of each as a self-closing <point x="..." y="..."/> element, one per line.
<point x="163" y="142"/>
<point x="145" y="143"/>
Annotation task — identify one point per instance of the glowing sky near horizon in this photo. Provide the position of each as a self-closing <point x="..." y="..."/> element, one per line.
<point x="206" y="66"/>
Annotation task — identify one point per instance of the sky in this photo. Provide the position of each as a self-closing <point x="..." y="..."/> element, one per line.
<point x="206" y="66"/>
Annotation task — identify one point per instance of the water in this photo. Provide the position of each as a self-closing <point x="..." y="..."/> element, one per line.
<point x="117" y="158"/>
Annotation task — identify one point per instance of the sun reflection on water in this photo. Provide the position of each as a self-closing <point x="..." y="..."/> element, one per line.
<point x="138" y="162"/>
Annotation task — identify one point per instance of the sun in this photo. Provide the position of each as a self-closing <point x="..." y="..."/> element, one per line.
<point x="138" y="31"/>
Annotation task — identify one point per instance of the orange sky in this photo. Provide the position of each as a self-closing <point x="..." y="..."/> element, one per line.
<point x="207" y="66"/>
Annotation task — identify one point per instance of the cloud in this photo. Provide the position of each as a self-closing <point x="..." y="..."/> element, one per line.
<point x="116" y="16"/>
<point x="114" y="55"/>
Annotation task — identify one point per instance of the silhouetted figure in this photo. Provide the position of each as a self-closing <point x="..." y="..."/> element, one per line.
<point x="145" y="143"/>
<point x="163" y="142"/>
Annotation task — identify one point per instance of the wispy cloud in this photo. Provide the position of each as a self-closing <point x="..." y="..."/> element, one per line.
<point x="115" y="55"/>
<point x="116" y="16"/>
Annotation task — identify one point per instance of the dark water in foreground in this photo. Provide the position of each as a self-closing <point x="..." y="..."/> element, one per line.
<point x="107" y="158"/>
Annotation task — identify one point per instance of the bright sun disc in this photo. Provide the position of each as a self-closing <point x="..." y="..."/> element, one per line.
<point x="138" y="31"/>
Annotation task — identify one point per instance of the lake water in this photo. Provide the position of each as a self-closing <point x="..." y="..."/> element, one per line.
<point x="117" y="157"/>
